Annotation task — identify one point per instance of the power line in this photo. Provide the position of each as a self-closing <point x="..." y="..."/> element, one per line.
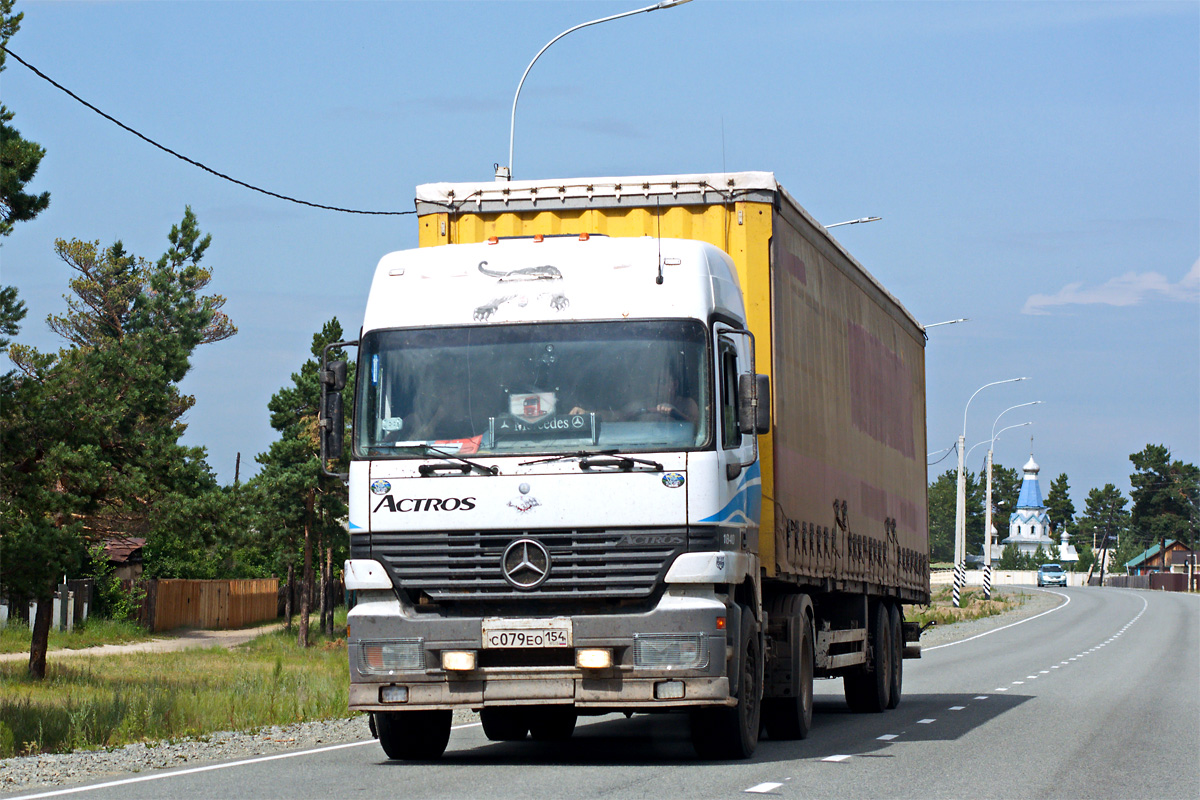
<point x="193" y="162"/>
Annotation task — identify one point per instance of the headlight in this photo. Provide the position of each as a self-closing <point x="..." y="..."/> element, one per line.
<point x="670" y="650"/>
<point x="385" y="657"/>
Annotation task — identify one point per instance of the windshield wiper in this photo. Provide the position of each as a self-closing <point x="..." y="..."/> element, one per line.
<point x="565" y="456"/>
<point x="463" y="465"/>
<point x="626" y="463"/>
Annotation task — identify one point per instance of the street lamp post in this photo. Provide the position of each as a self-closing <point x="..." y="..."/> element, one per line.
<point x="505" y="173"/>
<point x="987" y="523"/>
<point x="960" y="517"/>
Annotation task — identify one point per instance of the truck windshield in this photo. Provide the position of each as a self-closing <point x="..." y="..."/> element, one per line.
<point x="640" y="385"/>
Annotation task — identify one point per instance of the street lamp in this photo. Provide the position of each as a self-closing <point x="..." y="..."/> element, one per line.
<point x="505" y="173"/>
<point x="987" y="522"/>
<point x="947" y="322"/>
<point x="960" y="517"/>
<point x="852" y="222"/>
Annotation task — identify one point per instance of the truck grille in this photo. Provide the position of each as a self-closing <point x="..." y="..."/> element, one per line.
<point x="466" y="565"/>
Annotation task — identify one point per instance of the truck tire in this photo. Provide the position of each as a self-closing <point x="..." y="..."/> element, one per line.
<point x="732" y="733"/>
<point x="505" y="724"/>
<point x="552" y="723"/>
<point x="790" y="716"/>
<point x="897" y="614"/>
<point x="413" y="735"/>
<point x="868" y="688"/>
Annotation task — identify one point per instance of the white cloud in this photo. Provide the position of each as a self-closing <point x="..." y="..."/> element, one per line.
<point x="1129" y="289"/>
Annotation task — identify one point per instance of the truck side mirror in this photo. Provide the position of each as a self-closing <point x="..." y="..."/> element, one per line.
<point x="334" y="376"/>
<point x="333" y="429"/>
<point x="754" y="403"/>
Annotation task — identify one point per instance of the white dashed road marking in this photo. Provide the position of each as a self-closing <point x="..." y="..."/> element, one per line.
<point x="836" y="758"/>
<point x="764" y="788"/>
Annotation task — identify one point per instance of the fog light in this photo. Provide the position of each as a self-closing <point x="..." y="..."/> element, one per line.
<point x="393" y="694"/>
<point x="458" y="660"/>
<point x="668" y="690"/>
<point x="593" y="658"/>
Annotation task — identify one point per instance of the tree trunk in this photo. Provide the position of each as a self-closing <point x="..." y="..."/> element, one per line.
<point x="322" y="588"/>
<point x="330" y="600"/>
<point x="287" y="599"/>
<point x="306" y="577"/>
<point x="41" y="637"/>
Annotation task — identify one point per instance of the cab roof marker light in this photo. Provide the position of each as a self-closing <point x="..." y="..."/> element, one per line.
<point x="583" y="237"/>
<point x="538" y="238"/>
<point x="493" y="240"/>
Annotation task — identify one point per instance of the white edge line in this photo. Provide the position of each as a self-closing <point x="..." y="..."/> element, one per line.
<point x="207" y="768"/>
<point x="1005" y="627"/>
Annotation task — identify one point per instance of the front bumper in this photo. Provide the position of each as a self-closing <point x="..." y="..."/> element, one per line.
<point x="624" y="685"/>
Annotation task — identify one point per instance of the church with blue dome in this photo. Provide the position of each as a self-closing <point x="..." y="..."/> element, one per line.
<point x="1029" y="524"/>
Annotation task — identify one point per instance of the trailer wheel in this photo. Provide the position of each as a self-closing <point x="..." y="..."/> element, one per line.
<point x="868" y="690"/>
<point x="552" y="723"/>
<point x="732" y="733"/>
<point x="790" y="717"/>
<point x="897" y="678"/>
<point x="413" y="735"/>
<point x="504" y="724"/>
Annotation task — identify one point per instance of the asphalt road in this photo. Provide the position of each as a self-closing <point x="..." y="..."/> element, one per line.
<point x="1095" y="698"/>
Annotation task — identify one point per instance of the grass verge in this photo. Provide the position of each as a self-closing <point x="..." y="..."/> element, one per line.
<point x="16" y="636"/>
<point x="941" y="608"/>
<point x="89" y="703"/>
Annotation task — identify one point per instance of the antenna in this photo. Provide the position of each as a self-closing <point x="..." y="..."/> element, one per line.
<point x="658" y="232"/>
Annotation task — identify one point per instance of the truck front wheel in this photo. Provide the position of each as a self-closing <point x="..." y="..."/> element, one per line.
<point x="413" y="735"/>
<point x="732" y="733"/>
<point x="790" y="716"/>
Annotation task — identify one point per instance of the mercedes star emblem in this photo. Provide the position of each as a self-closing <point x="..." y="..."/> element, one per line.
<point x="526" y="563"/>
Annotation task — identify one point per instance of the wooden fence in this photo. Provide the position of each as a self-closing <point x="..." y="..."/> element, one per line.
<point x="209" y="604"/>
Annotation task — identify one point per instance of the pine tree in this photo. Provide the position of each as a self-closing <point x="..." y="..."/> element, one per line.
<point x="299" y="502"/>
<point x="1166" y="497"/>
<point x="1059" y="507"/>
<point x="19" y="157"/>
<point x="89" y="438"/>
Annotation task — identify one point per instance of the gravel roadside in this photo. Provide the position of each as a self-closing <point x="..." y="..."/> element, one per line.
<point x="28" y="773"/>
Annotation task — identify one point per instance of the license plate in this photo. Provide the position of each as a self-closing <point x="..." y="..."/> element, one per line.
<point x="521" y="633"/>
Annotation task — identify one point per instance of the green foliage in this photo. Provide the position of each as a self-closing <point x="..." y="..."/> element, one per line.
<point x="112" y="599"/>
<point x="1087" y="557"/>
<point x="1166" y="497"/>
<point x="1059" y="507"/>
<point x="89" y="437"/>
<point x="1011" y="558"/>
<point x="1105" y="519"/>
<point x="298" y="505"/>
<point x="943" y="494"/>
<point x="19" y="157"/>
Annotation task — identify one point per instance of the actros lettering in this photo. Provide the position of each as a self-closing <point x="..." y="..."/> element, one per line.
<point x="406" y="504"/>
<point x="643" y="538"/>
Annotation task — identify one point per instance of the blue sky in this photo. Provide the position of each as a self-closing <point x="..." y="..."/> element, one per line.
<point x="1036" y="165"/>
